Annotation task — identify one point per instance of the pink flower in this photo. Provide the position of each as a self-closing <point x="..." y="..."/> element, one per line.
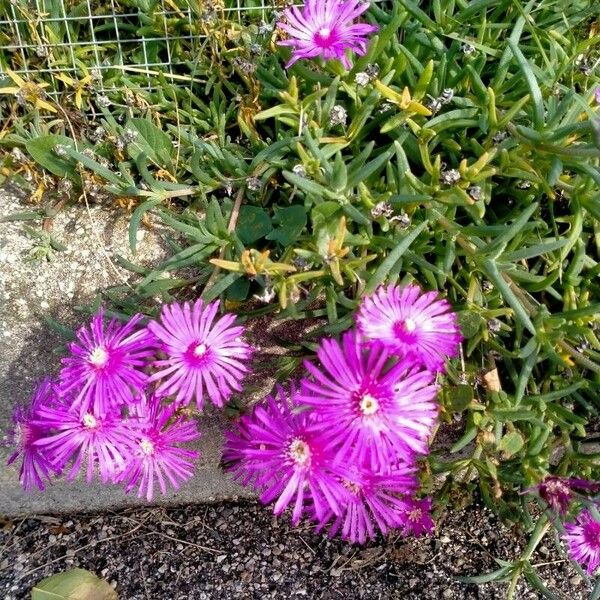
<point x="202" y="354"/>
<point x="36" y="465"/>
<point x="375" y="504"/>
<point x="416" y="517"/>
<point x="105" y="367"/>
<point x="597" y="95"/>
<point x="411" y="323"/>
<point x="557" y="492"/>
<point x="373" y="414"/>
<point x="326" y="28"/>
<point x="583" y="540"/>
<point x="157" y="455"/>
<point x="103" y="440"/>
<point x="279" y="450"/>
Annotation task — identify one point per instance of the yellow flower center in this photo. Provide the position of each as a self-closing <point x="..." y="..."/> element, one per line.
<point x="369" y="405"/>
<point x="299" y="452"/>
<point x="147" y="447"/>
<point x="409" y="324"/>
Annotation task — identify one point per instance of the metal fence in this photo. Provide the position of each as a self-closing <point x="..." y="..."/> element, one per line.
<point x="113" y="43"/>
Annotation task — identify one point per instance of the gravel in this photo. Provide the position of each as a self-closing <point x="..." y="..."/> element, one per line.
<point x="239" y="551"/>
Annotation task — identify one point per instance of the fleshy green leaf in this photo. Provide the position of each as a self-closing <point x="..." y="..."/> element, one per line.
<point x="253" y="223"/>
<point x="76" y="584"/>
<point x="291" y="220"/>
<point x="42" y="151"/>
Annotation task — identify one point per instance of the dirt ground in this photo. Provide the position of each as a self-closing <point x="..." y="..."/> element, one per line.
<point x="240" y="551"/>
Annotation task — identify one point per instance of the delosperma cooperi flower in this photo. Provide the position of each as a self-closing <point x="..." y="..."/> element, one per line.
<point x="105" y="367"/>
<point x="411" y="323"/>
<point x="374" y="504"/>
<point x="203" y="354"/>
<point x="415" y="516"/>
<point x="285" y="459"/>
<point x="374" y="414"/>
<point x="157" y="455"/>
<point x="36" y="465"/>
<point x="583" y="540"/>
<point x="326" y="28"/>
<point x="97" y="441"/>
<point x="557" y="492"/>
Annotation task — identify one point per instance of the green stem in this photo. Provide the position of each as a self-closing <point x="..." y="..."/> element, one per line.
<point x="513" y="583"/>
<point x="539" y="531"/>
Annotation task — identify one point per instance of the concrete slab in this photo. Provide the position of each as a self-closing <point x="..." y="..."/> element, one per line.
<point x="30" y="348"/>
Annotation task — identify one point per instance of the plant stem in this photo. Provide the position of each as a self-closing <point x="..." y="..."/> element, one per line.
<point x="539" y="531"/>
<point x="235" y="213"/>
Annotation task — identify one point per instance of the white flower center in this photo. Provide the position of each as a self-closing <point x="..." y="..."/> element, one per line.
<point x="369" y="405"/>
<point x="415" y="515"/>
<point x="409" y="324"/>
<point x="98" y="357"/>
<point x="147" y="447"/>
<point x="324" y="32"/>
<point x="299" y="452"/>
<point x="200" y="350"/>
<point x="354" y="488"/>
<point x="89" y="421"/>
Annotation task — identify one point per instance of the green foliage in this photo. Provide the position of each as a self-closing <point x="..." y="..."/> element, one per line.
<point x="491" y="198"/>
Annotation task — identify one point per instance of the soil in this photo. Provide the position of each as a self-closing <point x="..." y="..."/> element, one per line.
<point x="240" y="551"/>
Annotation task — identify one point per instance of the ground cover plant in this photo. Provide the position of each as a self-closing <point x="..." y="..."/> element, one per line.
<point x="437" y="149"/>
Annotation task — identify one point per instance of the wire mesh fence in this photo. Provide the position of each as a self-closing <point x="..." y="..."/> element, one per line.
<point x="113" y="44"/>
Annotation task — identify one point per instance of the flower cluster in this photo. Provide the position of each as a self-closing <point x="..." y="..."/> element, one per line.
<point x="116" y="409"/>
<point x="342" y="449"/>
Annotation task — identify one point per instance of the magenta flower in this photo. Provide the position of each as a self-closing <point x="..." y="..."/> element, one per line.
<point x="416" y="517"/>
<point x="157" y="455"/>
<point x="557" y="492"/>
<point x="411" y="323"/>
<point x="237" y="442"/>
<point x="202" y="354"/>
<point x="36" y="465"/>
<point x="105" y="367"/>
<point x="375" y="503"/>
<point x="283" y="456"/>
<point x="597" y="95"/>
<point x="374" y="414"/>
<point x="102" y="440"/>
<point x="326" y="28"/>
<point x="583" y="540"/>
